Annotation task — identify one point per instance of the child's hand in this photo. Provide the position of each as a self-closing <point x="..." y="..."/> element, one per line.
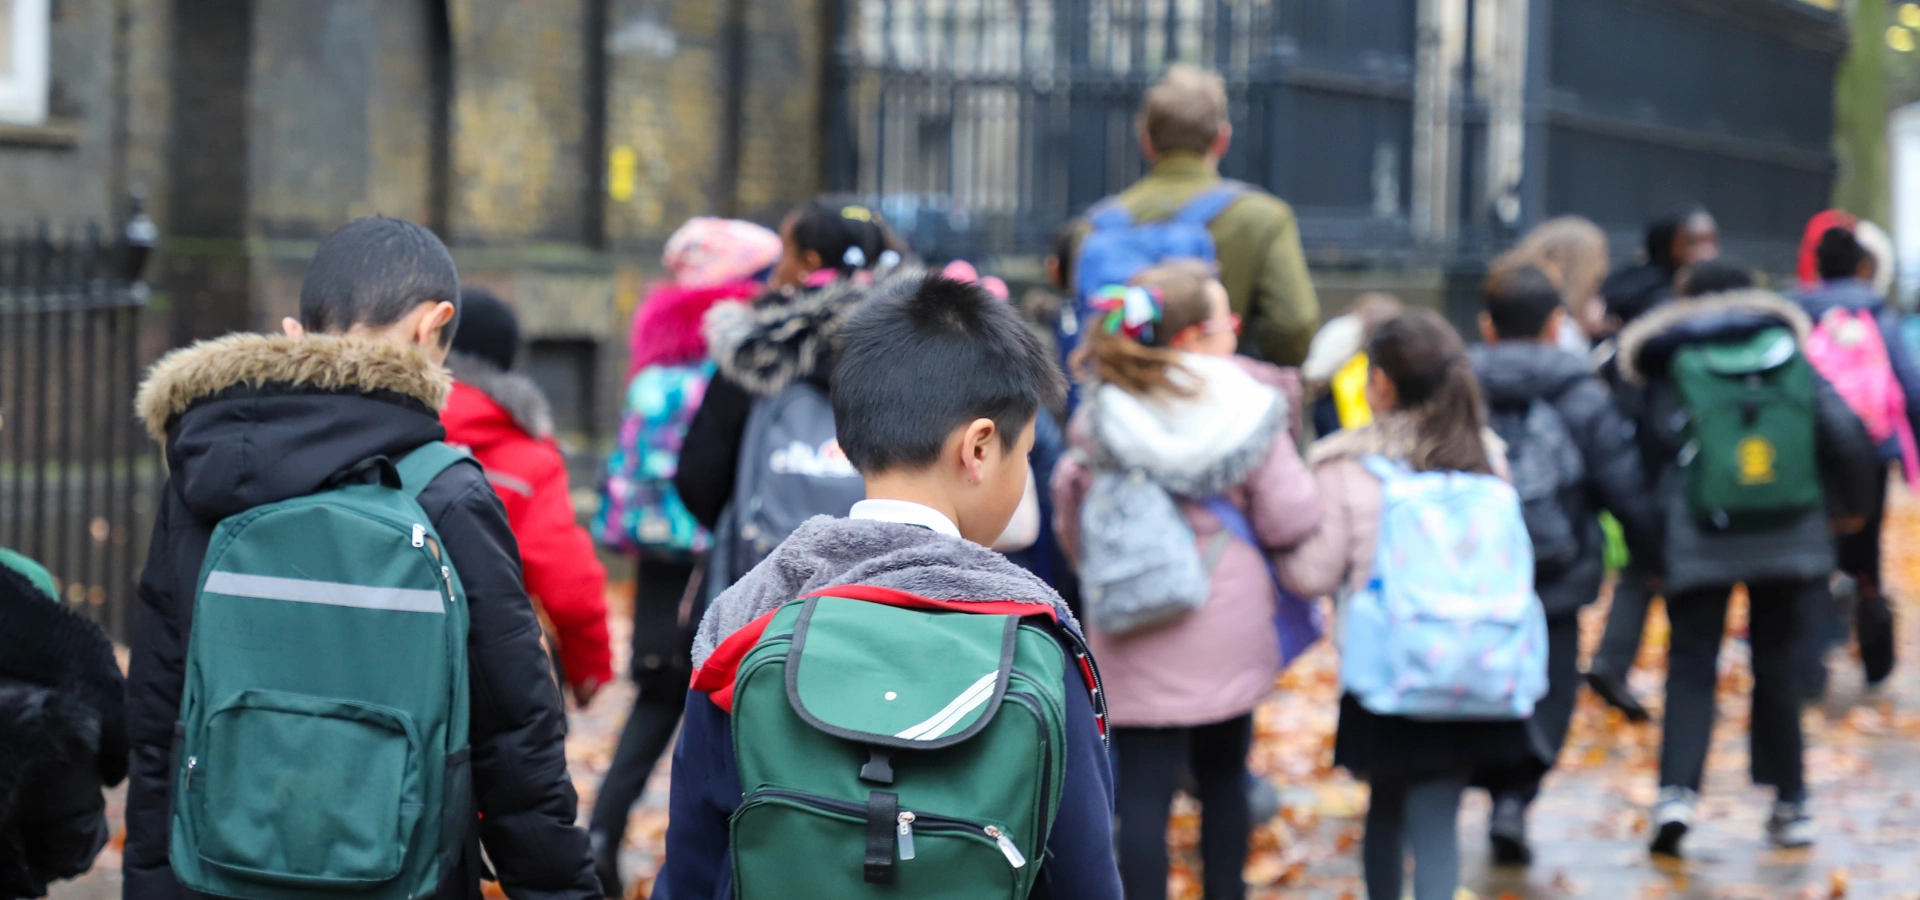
<point x="1848" y="524"/>
<point x="584" y="692"/>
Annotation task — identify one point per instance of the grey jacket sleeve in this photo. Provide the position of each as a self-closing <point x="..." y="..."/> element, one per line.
<point x="1616" y="480"/>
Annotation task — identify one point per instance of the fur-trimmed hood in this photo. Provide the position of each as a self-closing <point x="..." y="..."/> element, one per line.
<point x="827" y="552"/>
<point x="251" y="419"/>
<point x="1391" y="435"/>
<point x="667" y="326"/>
<point x="515" y="394"/>
<point x="765" y="346"/>
<point x="316" y="362"/>
<point x="1195" y="446"/>
<point x="1646" y="346"/>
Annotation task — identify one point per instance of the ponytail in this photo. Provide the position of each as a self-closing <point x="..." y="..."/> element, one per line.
<point x="1428" y="365"/>
<point x="1131" y="328"/>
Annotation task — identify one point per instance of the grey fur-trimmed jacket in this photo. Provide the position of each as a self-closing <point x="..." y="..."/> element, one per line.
<point x="1696" y="559"/>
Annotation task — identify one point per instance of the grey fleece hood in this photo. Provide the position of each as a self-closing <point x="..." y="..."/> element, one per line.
<point x="827" y="552"/>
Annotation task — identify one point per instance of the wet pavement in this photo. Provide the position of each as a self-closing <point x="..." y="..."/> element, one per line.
<point x="1589" y="827"/>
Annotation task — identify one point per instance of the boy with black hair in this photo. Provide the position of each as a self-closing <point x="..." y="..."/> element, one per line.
<point x="934" y="395"/>
<point x="1572" y="455"/>
<point x="248" y="420"/>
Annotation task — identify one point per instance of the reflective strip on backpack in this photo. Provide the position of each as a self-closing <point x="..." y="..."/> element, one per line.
<point x="517" y="485"/>
<point x="330" y="593"/>
<point x="944" y="720"/>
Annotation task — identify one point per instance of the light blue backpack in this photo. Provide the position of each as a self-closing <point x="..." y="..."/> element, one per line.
<point x="1449" y="627"/>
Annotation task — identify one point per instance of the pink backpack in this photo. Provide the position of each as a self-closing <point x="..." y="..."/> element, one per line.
<point x="1848" y="350"/>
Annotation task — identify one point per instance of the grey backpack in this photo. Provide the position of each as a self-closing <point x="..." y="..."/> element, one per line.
<point x="1139" y="565"/>
<point x="1546" y="466"/>
<point x="791" y="469"/>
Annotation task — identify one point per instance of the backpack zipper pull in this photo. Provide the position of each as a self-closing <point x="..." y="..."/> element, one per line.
<point x="192" y="761"/>
<point x="419" y="535"/>
<point x="906" y="835"/>
<point x="1012" y="853"/>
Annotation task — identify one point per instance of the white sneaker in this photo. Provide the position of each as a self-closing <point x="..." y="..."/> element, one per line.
<point x="1791" y="825"/>
<point x="1672" y="818"/>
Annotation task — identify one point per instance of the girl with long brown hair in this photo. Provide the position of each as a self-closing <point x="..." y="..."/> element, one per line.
<point x="1429" y="417"/>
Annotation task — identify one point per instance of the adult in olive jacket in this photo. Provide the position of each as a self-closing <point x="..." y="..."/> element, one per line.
<point x="1184" y="133"/>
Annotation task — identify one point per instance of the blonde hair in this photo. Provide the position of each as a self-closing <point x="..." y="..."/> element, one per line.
<point x="1185" y="111"/>
<point x="1570" y="249"/>
<point x="1146" y="367"/>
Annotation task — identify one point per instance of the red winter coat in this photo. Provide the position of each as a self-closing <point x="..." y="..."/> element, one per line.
<point x="504" y="421"/>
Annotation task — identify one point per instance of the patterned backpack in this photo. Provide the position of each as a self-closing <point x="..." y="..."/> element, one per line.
<point x="640" y="511"/>
<point x="1449" y="627"/>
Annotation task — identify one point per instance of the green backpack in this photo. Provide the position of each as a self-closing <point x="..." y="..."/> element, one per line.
<point x="893" y="746"/>
<point x="1750" y="458"/>
<point x="322" y="743"/>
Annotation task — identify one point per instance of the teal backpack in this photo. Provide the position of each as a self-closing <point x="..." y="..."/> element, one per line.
<point x="893" y="746"/>
<point x="322" y="742"/>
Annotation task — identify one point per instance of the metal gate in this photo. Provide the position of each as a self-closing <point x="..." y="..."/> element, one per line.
<point x="977" y="126"/>
<point x="74" y="466"/>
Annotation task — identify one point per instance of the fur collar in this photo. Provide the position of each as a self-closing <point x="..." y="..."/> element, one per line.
<point x="1703" y="314"/>
<point x="1391" y="435"/>
<point x="827" y="552"/>
<point x="516" y="393"/>
<point x="765" y="346"/>
<point x="1192" y="446"/>
<point x="323" y="362"/>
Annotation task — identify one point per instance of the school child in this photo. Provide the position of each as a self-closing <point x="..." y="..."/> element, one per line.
<point x="802" y="768"/>
<point x="63" y="732"/>
<point x="1413" y="485"/>
<point x="776" y="357"/>
<point x="708" y="261"/>
<point x="504" y="420"/>
<point x="1571" y="455"/>
<point x="350" y="616"/>
<point x="1210" y="431"/>
<point x="1758" y="458"/>
<point x="1336" y="368"/>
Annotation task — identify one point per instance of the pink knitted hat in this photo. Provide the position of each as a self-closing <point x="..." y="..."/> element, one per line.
<point x="707" y="252"/>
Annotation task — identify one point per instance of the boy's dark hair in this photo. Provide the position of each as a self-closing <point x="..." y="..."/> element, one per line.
<point x="1713" y="276"/>
<point x="1520" y="300"/>
<point x="918" y="364"/>
<point x="373" y="272"/>
<point x="1839" y="254"/>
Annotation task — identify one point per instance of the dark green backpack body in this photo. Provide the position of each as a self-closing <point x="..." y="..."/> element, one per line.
<point x="1750" y="460"/>
<point x="322" y="743"/>
<point x="890" y="751"/>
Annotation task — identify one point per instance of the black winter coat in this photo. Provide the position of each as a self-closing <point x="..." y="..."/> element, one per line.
<point x="251" y="419"/>
<point x="63" y="737"/>
<point x="1513" y="375"/>
<point x="1696" y="558"/>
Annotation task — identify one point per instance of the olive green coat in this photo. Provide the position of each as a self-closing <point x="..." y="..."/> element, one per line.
<point x="1261" y="262"/>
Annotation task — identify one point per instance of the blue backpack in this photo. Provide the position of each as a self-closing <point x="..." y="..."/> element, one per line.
<point x="1449" y="627"/>
<point x="1118" y="247"/>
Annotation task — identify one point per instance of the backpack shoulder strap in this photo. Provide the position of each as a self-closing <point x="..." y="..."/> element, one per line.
<point x="1109" y="214"/>
<point x="419" y="468"/>
<point x="1387" y="470"/>
<point x="1207" y="205"/>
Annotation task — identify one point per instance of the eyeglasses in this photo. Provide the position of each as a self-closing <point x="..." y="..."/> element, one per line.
<point x="1228" y="325"/>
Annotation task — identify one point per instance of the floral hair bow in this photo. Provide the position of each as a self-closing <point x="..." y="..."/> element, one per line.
<point x="1129" y="311"/>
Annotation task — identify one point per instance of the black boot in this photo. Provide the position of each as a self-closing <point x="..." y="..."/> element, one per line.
<point x="1508" y="832"/>
<point x="1613" y="689"/>
<point x="1873" y="619"/>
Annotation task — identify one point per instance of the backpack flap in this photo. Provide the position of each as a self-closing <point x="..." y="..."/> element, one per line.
<point x="1750" y="460"/>
<point x="1764" y="352"/>
<point x="887" y="677"/>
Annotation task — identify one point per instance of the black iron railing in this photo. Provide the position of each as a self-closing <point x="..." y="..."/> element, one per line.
<point x="75" y="467"/>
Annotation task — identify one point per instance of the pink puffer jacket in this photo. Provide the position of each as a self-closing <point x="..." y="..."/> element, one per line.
<point x="1233" y="441"/>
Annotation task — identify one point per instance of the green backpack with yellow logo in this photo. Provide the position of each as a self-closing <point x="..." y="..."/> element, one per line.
<point x="1750" y="459"/>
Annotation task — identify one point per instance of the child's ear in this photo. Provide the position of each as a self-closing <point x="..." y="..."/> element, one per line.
<point x="293" y="328"/>
<point x="1487" y="332"/>
<point x="427" y="332"/>
<point x="813" y="261"/>
<point x="978" y="443"/>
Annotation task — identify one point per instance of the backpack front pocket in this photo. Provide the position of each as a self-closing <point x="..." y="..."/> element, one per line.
<point x="793" y="844"/>
<point x="308" y="791"/>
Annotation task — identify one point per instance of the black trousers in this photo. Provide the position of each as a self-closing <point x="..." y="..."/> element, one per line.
<point x="661" y="674"/>
<point x="1150" y="765"/>
<point x="1699" y="620"/>
<point x="1626" y="619"/>
<point x="1553" y="715"/>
